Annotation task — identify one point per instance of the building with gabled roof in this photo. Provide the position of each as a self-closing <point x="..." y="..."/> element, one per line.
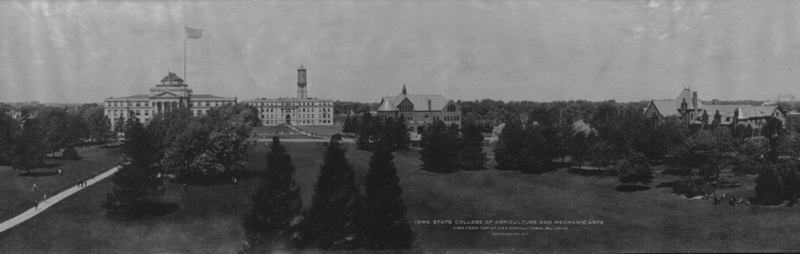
<point x="171" y="94"/>
<point x="420" y="110"/>
<point x="301" y="110"/>
<point x="11" y="110"/>
<point x="692" y="111"/>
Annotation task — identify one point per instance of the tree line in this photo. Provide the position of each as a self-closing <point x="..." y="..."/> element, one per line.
<point x="190" y="148"/>
<point x="25" y="142"/>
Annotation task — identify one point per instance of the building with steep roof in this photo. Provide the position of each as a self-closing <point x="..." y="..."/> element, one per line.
<point x="420" y="110"/>
<point x="11" y="110"/>
<point x="171" y="94"/>
<point x="301" y="110"/>
<point x="692" y="111"/>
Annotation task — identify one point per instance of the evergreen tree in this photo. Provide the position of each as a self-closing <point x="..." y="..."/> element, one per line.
<point x="769" y="190"/>
<point x="138" y="190"/>
<point x="791" y="185"/>
<point x="355" y="125"/>
<point x="9" y="132"/>
<point x="510" y="152"/>
<point x="347" y="126"/>
<point x="30" y="147"/>
<point x="470" y="154"/>
<point x="119" y="124"/>
<point x="365" y="132"/>
<point x="401" y="137"/>
<point x="330" y="222"/>
<point x="439" y="149"/>
<point x="383" y="224"/>
<point x="277" y="204"/>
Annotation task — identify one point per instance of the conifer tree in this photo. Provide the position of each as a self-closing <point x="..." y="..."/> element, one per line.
<point x="383" y="224"/>
<point x="510" y="152"/>
<point x="277" y="204"/>
<point x="347" y="126"/>
<point x="365" y="131"/>
<point x="330" y="222"/>
<point x="30" y="146"/>
<point x="439" y="149"/>
<point x="471" y="155"/>
<point x="769" y="190"/>
<point x="138" y="190"/>
<point x="400" y="134"/>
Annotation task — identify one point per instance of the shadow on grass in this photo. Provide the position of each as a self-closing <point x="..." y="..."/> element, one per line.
<point x="589" y="172"/>
<point x="666" y="184"/>
<point x="631" y="188"/>
<point x="110" y="146"/>
<point x="63" y="158"/>
<point x="218" y="179"/>
<point x="674" y="172"/>
<point x="37" y="174"/>
<point x="150" y="211"/>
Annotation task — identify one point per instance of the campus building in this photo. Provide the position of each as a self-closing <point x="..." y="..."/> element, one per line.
<point x="171" y="94"/>
<point x="692" y="111"/>
<point x="10" y="110"/>
<point x="420" y="110"/>
<point x="301" y="110"/>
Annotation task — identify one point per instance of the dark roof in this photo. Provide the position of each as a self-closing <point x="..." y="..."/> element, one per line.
<point x="132" y="97"/>
<point x="172" y="77"/>
<point x="208" y="96"/>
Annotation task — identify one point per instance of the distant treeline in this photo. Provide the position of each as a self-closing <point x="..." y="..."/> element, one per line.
<point x="488" y="113"/>
<point x="345" y="107"/>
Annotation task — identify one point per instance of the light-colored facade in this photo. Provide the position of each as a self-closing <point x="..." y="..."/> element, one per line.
<point x="170" y="94"/>
<point x="420" y="110"/>
<point x="302" y="110"/>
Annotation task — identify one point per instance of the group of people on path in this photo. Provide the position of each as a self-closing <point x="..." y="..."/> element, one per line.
<point x="733" y="201"/>
<point x="35" y="188"/>
<point x="82" y="182"/>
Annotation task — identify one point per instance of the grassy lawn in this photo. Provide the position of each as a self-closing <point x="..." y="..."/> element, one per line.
<point x="15" y="186"/>
<point x="326" y="130"/>
<point x="209" y="218"/>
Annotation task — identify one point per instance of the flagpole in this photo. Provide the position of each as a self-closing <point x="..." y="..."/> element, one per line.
<point x="185" y="78"/>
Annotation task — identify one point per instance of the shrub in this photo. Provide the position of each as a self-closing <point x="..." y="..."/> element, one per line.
<point x="70" y="153"/>
<point x="692" y="188"/>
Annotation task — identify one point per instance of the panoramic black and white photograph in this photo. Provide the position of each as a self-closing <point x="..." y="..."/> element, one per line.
<point x="441" y="126"/>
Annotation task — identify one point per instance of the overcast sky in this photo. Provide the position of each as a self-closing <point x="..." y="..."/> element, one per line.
<point x="86" y="51"/>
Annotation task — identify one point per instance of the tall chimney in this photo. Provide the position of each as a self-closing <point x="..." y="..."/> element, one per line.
<point x="694" y="99"/>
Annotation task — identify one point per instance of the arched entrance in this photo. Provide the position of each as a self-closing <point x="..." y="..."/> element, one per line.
<point x="289" y="119"/>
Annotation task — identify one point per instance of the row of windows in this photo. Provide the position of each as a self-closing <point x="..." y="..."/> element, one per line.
<point x="147" y="104"/>
<point x="276" y="122"/>
<point x="272" y="104"/>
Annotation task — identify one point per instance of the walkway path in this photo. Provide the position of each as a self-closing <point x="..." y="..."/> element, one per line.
<point x="52" y="201"/>
<point x="314" y="140"/>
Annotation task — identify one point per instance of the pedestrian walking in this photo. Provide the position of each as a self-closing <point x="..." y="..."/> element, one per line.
<point x="184" y="187"/>
<point x="44" y="199"/>
<point x="93" y="174"/>
<point x="233" y="179"/>
<point x="59" y="172"/>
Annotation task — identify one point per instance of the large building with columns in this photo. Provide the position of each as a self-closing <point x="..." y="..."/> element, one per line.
<point x="302" y="110"/>
<point x="171" y="94"/>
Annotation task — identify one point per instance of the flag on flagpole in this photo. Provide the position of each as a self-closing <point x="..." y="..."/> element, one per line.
<point x="193" y="33"/>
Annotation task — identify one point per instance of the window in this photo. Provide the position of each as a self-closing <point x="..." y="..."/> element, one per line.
<point x="451" y="108"/>
<point x="137" y="103"/>
<point x="208" y="104"/>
